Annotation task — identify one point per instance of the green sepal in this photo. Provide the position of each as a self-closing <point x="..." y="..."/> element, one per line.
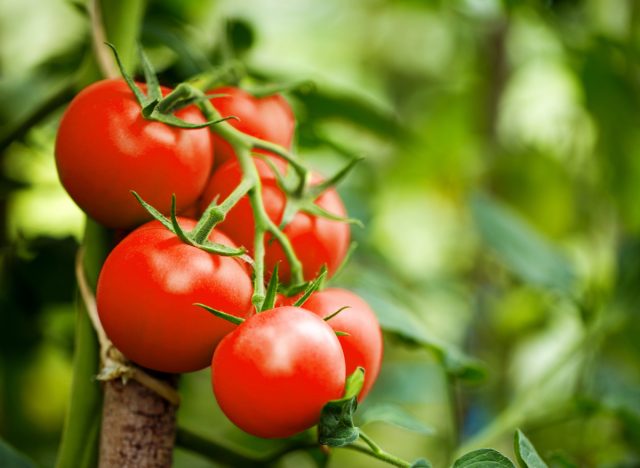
<point x="526" y="453"/>
<point x="140" y="96"/>
<point x="153" y="86"/>
<point x="173" y="225"/>
<point x="341" y="333"/>
<point x="223" y="315"/>
<point x="153" y="212"/>
<point x="223" y="250"/>
<point x="488" y="458"/>
<point x="332" y="181"/>
<point x="312" y="287"/>
<point x="333" y="314"/>
<point x="177" y="229"/>
<point x="149" y="109"/>
<point x="336" y="427"/>
<point x="272" y="291"/>
<point x="315" y="210"/>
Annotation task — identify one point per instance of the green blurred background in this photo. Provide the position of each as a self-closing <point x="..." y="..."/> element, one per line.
<point x="500" y="195"/>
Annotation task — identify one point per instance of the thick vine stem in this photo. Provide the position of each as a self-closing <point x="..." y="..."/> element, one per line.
<point x="114" y="364"/>
<point x="242" y="145"/>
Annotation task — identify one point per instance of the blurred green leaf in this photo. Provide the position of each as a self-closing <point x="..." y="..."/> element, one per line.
<point x="396" y="319"/>
<point x="483" y="458"/>
<point x="526" y="453"/>
<point x="520" y="247"/>
<point x="11" y="458"/>
<point x="420" y="463"/>
<point x="395" y="415"/>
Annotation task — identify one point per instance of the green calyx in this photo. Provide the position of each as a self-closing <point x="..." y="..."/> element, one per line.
<point x="223" y="315"/>
<point x="301" y="195"/>
<point x="156" y="107"/>
<point x="197" y="237"/>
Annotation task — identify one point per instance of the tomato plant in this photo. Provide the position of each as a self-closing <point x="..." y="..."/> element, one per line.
<point x="317" y="241"/>
<point x="146" y="291"/>
<point x="269" y="118"/>
<point x="362" y="346"/>
<point x="275" y="372"/>
<point x="105" y="148"/>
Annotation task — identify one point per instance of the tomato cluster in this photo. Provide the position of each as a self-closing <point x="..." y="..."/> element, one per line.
<point x="272" y="373"/>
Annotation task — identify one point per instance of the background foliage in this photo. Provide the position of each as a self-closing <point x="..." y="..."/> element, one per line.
<point x="499" y="195"/>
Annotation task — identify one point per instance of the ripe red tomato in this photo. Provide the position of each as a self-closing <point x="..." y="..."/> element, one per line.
<point x="105" y="149"/>
<point x="316" y="241"/>
<point x="363" y="346"/>
<point x="146" y="291"/>
<point x="269" y="118"/>
<point x="275" y="372"/>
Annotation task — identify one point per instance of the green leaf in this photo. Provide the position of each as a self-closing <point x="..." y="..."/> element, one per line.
<point x="395" y="415"/>
<point x="323" y="103"/>
<point x="11" y="458"/>
<point x="421" y="463"/>
<point x="526" y="453"/>
<point x="336" y="427"/>
<point x="483" y="458"/>
<point x="397" y="320"/>
<point x="523" y="250"/>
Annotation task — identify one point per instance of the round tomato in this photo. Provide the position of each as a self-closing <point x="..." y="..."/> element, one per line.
<point x="269" y="118"/>
<point x="105" y="149"/>
<point x="146" y="291"/>
<point x="275" y="372"/>
<point x="363" y="345"/>
<point x="317" y="241"/>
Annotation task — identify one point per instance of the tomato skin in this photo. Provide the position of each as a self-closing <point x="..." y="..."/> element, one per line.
<point x="269" y="118"/>
<point x="146" y="291"/>
<point x="276" y="371"/>
<point x="316" y="241"/>
<point x="363" y="347"/>
<point x="105" y="149"/>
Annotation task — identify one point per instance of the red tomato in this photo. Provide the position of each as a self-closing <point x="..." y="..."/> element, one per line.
<point x="363" y="346"/>
<point x="146" y="291"/>
<point x="105" y="149"/>
<point x="269" y="118"/>
<point x="275" y="372"/>
<point x="316" y="241"/>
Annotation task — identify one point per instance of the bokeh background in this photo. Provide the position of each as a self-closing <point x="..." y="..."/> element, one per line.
<point x="500" y="195"/>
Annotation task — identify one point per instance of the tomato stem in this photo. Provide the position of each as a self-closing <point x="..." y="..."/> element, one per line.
<point x="214" y="214"/>
<point x="242" y="145"/>
<point x="376" y="451"/>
